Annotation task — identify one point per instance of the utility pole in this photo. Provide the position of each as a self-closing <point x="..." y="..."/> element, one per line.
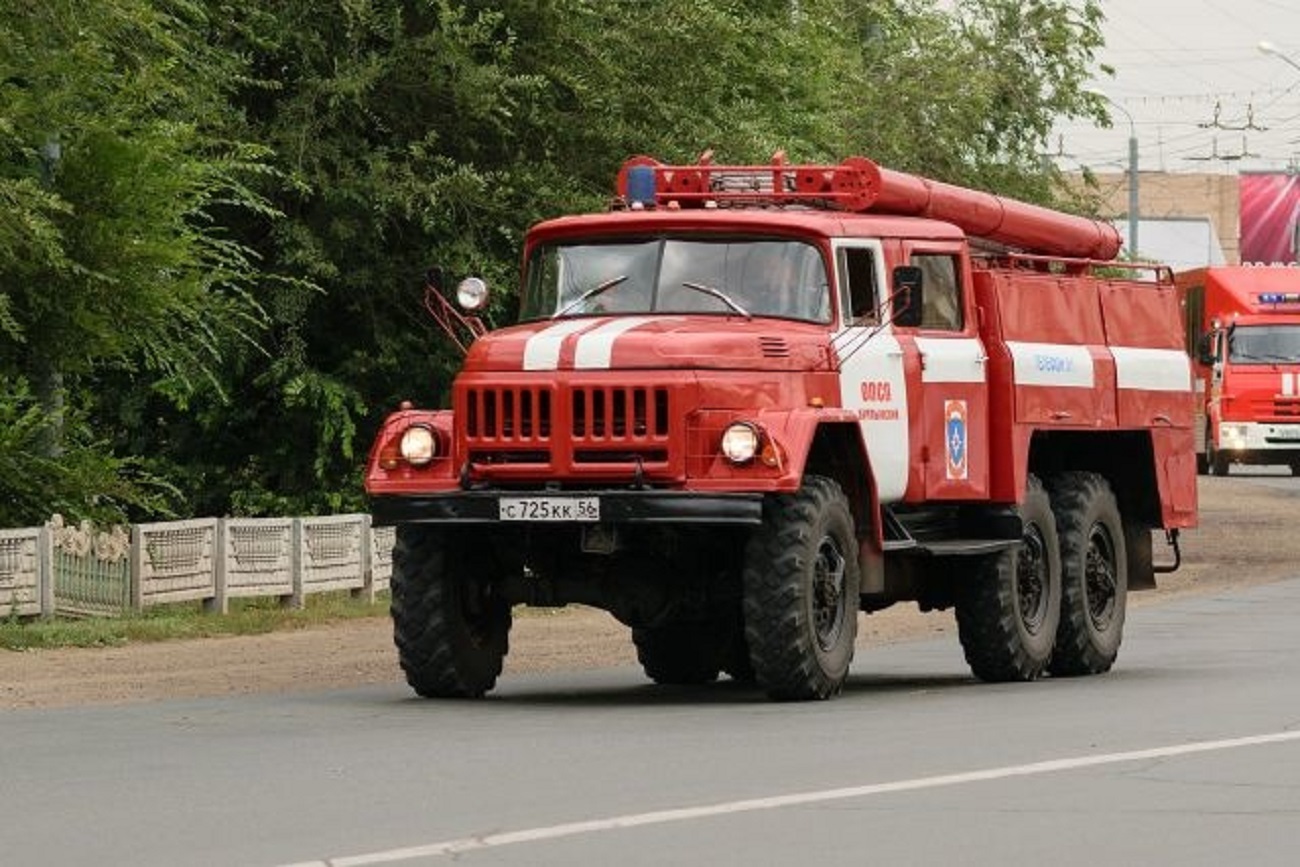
<point x="1134" y="214"/>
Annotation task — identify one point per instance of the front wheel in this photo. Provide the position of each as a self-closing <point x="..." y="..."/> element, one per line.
<point x="801" y="593"/>
<point x="1217" y="460"/>
<point x="1007" y="614"/>
<point x="1094" y="569"/>
<point x="450" y="627"/>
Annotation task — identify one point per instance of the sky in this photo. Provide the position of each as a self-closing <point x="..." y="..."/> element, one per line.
<point x="1198" y="89"/>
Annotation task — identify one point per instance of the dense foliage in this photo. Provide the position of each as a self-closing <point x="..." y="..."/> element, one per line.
<point x="214" y="215"/>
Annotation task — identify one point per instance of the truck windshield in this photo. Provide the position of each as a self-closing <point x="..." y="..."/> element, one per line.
<point x="761" y="277"/>
<point x="1264" y="344"/>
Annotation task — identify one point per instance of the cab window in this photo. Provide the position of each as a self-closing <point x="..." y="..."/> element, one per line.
<point x="941" y="307"/>
<point x="857" y="275"/>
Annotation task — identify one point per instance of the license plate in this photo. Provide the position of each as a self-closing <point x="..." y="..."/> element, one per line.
<point x="550" y="508"/>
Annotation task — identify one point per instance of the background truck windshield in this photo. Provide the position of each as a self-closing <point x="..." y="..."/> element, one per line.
<point x="763" y="277"/>
<point x="1264" y="344"/>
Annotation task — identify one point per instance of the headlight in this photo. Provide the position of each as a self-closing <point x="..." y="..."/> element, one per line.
<point x="1232" y="435"/>
<point x="740" y="442"/>
<point x="419" y="445"/>
<point x="472" y="293"/>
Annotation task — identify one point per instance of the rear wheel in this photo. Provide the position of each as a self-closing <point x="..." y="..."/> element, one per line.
<point x="1008" y="613"/>
<point x="681" y="654"/>
<point x="1094" y="570"/>
<point x="801" y="592"/>
<point x="450" y="628"/>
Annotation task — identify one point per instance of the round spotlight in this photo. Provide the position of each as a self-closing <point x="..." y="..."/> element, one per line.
<point x="472" y="293"/>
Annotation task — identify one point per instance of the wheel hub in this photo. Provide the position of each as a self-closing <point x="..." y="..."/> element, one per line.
<point x="1100" y="583"/>
<point x="829" y="608"/>
<point x="1031" y="579"/>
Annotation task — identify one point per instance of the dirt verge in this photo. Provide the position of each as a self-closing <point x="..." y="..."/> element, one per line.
<point x="1246" y="536"/>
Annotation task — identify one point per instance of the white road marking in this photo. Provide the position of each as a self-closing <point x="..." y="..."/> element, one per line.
<point x="682" y="814"/>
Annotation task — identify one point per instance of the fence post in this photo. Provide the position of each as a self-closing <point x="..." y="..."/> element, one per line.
<point x="218" y="603"/>
<point x="137" y="568"/>
<point x="299" y="597"/>
<point x="367" y="589"/>
<point x="45" y="570"/>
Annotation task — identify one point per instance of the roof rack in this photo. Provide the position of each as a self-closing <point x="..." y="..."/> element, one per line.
<point x="853" y="185"/>
<point x="857" y="184"/>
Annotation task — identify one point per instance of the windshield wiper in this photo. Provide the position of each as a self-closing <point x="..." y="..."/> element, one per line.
<point x="720" y="295"/>
<point x="590" y="293"/>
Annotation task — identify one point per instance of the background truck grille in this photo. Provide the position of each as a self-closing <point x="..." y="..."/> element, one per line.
<point x="1278" y="408"/>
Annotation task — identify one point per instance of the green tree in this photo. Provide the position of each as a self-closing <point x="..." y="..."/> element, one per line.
<point x="430" y="131"/>
<point x="114" y="174"/>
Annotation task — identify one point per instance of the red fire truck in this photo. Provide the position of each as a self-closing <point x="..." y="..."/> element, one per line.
<point x="1243" y="330"/>
<point x="750" y="402"/>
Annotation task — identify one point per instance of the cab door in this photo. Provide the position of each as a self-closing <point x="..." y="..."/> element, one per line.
<point x="954" y="406"/>
<point x="873" y="382"/>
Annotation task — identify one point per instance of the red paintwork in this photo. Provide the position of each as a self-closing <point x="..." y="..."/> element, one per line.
<point x="670" y="342"/>
<point x="1229" y="294"/>
<point x="858" y="184"/>
<point x="680" y="379"/>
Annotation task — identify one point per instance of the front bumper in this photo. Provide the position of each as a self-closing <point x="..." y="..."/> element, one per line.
<point x="1259" y="442"/>
<point x="616" y="507"/>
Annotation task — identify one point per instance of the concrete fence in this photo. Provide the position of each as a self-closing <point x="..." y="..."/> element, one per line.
<point x="88" y="571"/>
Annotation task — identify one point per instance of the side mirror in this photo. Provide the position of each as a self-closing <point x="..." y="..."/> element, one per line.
<point x="907" y="296"/>
<point x="1205" y="349"/>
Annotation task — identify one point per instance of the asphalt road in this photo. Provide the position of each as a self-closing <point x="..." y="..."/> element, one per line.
<point x="1188" y="753"/>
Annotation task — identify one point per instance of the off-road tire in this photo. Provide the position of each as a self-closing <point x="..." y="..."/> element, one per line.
<point x="451" y="631"/>
<point x="736" y="663"/>
<point x="1007" y="613"/>
<point x="1217" y="460"/>
<point x="801" y="585"/>
<point x="1094" y="574"/>
<point x="681" y="654"/>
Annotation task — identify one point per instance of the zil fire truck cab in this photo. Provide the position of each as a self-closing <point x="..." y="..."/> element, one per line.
<point x="1243" y="330"/>
<point x="749" y="403"/>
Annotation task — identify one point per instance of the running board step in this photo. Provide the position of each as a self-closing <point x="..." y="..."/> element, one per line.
<point x="965" y="547"/>
<point x="897" y="538"/>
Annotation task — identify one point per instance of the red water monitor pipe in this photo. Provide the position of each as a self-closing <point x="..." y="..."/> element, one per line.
<point x="858" y="184"/>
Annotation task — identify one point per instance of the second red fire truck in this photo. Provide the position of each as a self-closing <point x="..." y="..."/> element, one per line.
<point x="1243" y="330"/>
<point x="750" y="402"/>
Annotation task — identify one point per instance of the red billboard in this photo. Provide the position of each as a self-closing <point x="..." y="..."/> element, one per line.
<point x="1270" y="206"/>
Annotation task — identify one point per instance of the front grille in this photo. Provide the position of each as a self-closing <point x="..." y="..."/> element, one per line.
<point x="518" y="414"/>
<point x="1278" y="408"/>
<point x="531" y="424"/>
<point x="619" y="412"/>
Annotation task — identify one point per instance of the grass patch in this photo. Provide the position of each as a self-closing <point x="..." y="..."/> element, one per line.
<point x="186" y="620"/>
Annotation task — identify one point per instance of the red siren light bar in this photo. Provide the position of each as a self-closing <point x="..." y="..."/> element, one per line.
<point x="858" y="184"/>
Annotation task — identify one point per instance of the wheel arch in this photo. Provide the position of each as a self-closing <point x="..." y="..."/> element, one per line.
<point x="1127" y="460"/>
<point x="836" y="451"/>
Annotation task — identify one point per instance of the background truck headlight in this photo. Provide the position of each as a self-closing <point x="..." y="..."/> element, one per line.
<point x="1232" y="436"/>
